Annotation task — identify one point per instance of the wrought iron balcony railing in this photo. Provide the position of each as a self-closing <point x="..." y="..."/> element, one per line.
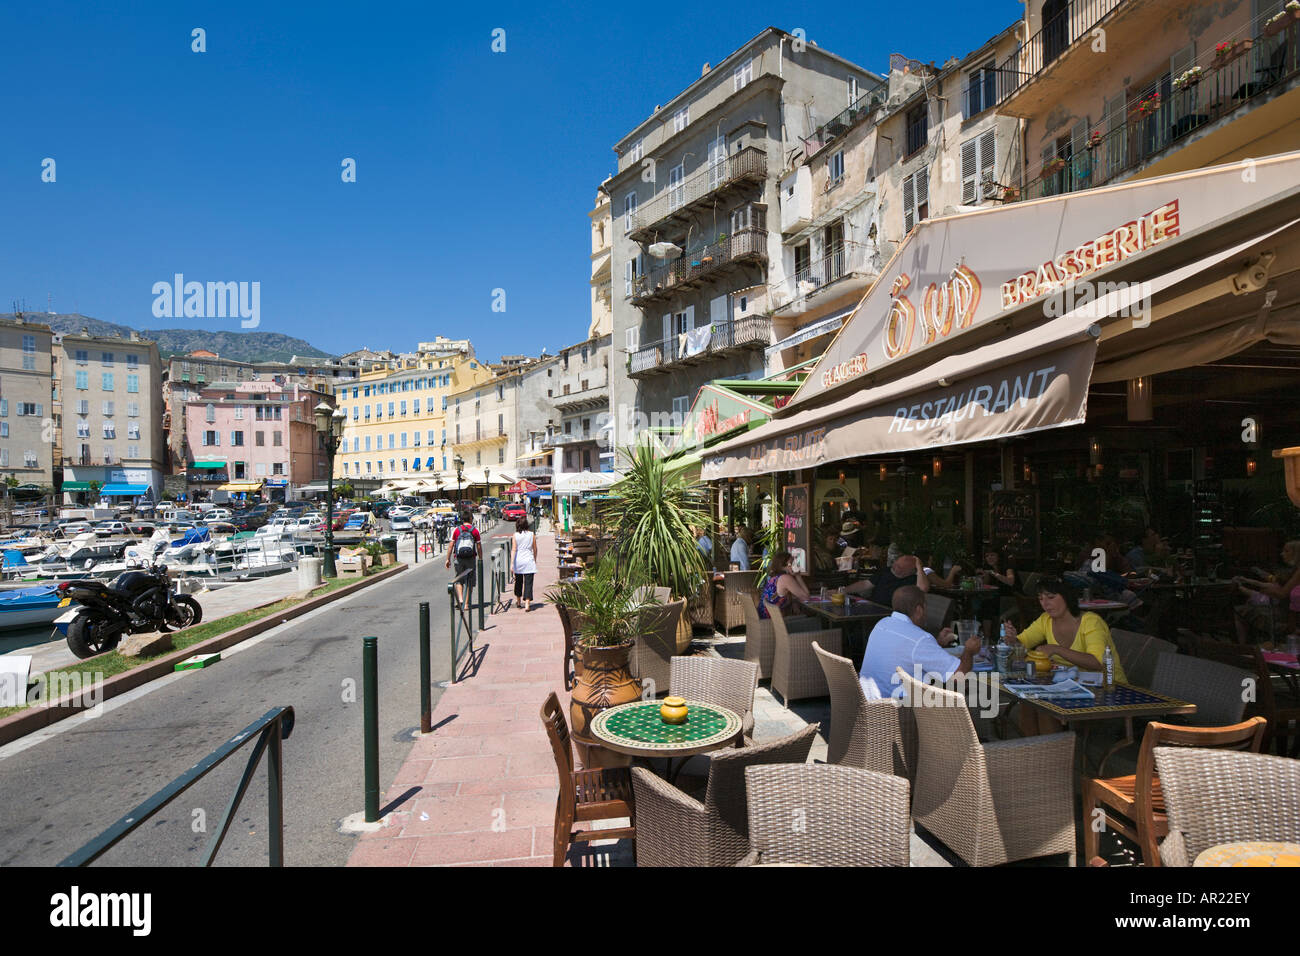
<point x="706" y="262"/>
<point x="748" y="165"/>
<point x="754" y="331"/>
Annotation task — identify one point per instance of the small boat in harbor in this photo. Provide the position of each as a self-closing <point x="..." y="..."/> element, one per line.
<point x="27" y="607"/>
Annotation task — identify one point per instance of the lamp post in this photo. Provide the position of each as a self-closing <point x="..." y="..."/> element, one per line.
<point x="487" y="488"/>
<point x="459" y="462"/>
<point x="329" y="425"/>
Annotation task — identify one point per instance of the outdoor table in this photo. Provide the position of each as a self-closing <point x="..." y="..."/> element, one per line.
<point x="637" y="729"/>
<point x="855" y="611"/>
<point x="1280" y="662"/>
<point x="1253" y="853"/>
<point x="964" y="598"/>
<point x="1126" y="701"/>
<point x="1103" y="607"/>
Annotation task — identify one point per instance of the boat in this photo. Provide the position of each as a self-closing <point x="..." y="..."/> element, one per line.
<point x="27" y="607"/>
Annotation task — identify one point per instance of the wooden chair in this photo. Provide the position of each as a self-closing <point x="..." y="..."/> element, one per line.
<point x="1138" y="654"/>
<point x="875" y="735"/>
<point x="796" y="672"/>
<point x="585" y="795"/>
<point x="570" y="621"/>
<point x="1283" y="722"/>
<point x="1134" y="806"/>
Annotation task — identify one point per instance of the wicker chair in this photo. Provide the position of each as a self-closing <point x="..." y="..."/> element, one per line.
<point x="849" y="816"/>
<point x="937" y="609"/>
<point x="796" y="672"/>
<point x="585" y="795"/>
<point x="760" y="643"/>
<point x="1215" y="689"/>
<point x="738" y="589"/>
<point x="990" y="803"/>
<point x="716" y="680"/>
<point x="700" y="607"/>
<point x="655" y="647"/>
<point x="571" y="622"/>
<point x="675" y="829"/>
<point x="1217" y="796"/>
<point x="1134" y="806"/>
<point x="875" y="735"/>
<point x="1283" y="722"/>
<point x="1138" y="654"/>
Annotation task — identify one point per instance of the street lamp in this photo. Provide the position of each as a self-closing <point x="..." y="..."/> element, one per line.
<point x="487" y="488"/>
<point x="329" y="425"/>
<point x="459" y="462"/>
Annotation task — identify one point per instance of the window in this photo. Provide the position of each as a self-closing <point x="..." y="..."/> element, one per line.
<point x="676" y="194"/>
<point x="83" y="357"/>
<point x="237" y="439"/>
<point x="415" y="436"/>
<point x="239" y="412"/>
<point x="853" y="90"/>
<point x="4" y="457"/>
<point x="83" y="380"/>
<point x="978" y="165"/>
<point x="105" y="358"/>
<point x="259" y="439"/>
<point x="681" y="405"/>
<point x="110" y="430"/>
<point x="916" y="198"/>
<point x="106" y="381"/>
<point x="682" y="118"/>
<point x="403" y="408"/>
<point x="403" y="442"/>
<point x="629" y="212"/>
<point x="29" y="352"/>
<point x="277" y="467"/>
<point x="4" y="429"/>
<point x="241" y="470"/>
<point x="501" y="424"/>
<point x="133" y="431"/>
<point x="802" y="261"/>
<point x="133" y="361"/>
<point x="212" y="438"/>
<point x="4" y="408"/>
<point x="391" y="406"/>
<point x="742" y="74"/>
<point x="210" y="413"/>
<point x="835" y="170"/>
<point x="133" y="409"/>
<point x="635" y="269"/>
<point x="636" y="151"/>
<point x="29" y="408"/>
<point x="981" y="89"/>
<point x="83" y="427"/>
<point x="918" y="128"/>
<point x="277" y="439"/>
<point x="29" y="459"/>
<point x="367" y="443"/>
<point x="132" y="451"/>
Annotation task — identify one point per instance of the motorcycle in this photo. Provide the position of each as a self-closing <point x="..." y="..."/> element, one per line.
<point x="134" y="601"/>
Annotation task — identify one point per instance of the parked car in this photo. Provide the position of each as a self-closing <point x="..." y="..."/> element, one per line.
<point x="513" y="511"/>
<point x="359" y="521"/>
<point x="110" y="527"/>
<point x="401" y="523"/>
<point x="142" y="528"/>
<point x="380" y="509"/>
<point x="217" y="514"/>
<point x="400" y="511"/>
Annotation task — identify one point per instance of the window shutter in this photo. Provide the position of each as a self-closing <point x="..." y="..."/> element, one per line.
<point x="1078" y="137"/>
<point x="668" y="328"/>
<point x="922" y="192"/>
<point x="988" y="156"/>
<point x="909" y="201"/>
<point x="718" y="310"/>
<point x="632" y="338"/>
<point x="969" y="171"/>
<point x="627" y="280"/>
<point x="1182" y="61"/>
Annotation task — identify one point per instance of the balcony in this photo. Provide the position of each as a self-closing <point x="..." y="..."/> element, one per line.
<point x="1165" y="116"/>
<point x="676" y="203"/>
<point x="89" y="461"/>
<point x="850" y="260"/>
<point x="723" y="339"/>
<point x="587" y="399"/>
<point x="561" y="439"/>
<point x="843" y="121"/>
<point x="705" y="264"/>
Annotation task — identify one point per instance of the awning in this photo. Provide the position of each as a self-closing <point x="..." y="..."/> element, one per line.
<point x="521" y="487"/>
<point x="130" y="490"/>
<point x="76" y="486"/>
<point x="241" y="487"/>
<point x="428" y="462"/>
<point x="811" y="331"/>
<point x="277" y="482"/>
<point x="202" y="465"/>
<point x="576" y="483"/>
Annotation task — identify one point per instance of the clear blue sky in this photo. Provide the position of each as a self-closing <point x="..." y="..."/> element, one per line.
<point x="475" y="170"/>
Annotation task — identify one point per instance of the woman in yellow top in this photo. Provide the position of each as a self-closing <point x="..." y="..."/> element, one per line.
<point x="1077" y="639"/>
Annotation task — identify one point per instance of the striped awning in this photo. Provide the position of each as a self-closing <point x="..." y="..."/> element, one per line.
<point x="241" y="487"/>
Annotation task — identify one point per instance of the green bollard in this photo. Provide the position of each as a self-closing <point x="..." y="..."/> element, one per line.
<point x="370" y="681"/>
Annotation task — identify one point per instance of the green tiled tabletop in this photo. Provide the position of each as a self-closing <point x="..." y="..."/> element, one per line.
<point x="637" y="728"/>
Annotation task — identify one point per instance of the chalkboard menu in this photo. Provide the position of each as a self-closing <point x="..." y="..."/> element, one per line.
<point x="797" y="523"/>
<point x="1013" y="526"/>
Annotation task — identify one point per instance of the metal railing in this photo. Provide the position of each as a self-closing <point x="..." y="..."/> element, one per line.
<point x="845" y="259"/>
<point x="841" y="122"/>
<point x="1054" y="38"/>
<point x="268" y="731"/>
<point x="749" y="331"/>
<point x="1159" y="116"/>
<point x="749" y="164"/>
<point x="699" y="264"/>
<point x="461" y="608"/>
<point x="988" y="89"/>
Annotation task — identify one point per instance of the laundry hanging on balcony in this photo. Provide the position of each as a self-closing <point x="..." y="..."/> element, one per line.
<point x="695" y="341"/>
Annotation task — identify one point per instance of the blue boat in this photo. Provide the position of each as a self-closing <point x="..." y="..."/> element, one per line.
<point x="26" y="607"/>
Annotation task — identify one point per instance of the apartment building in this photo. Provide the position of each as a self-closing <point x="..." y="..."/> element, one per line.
<point x="572" y="416"/>
<point x="1110" y="90"/>
<point x="690" y="203"/>
<point x="253" y="438"/>
<point x="28" y="414"/>
<point x="396" y="415"/>
<point x="485" y="424"/>
<point x="186" y="377"/>
<point x="111" y="402"/>
<point x="602" y="273"/>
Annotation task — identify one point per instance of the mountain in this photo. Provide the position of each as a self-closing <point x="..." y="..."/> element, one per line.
<point x="237" y="346"/>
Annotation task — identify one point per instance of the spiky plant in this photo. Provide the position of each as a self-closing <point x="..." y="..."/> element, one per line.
<point x="613" y="605"/>
<point x="652" y="524"/>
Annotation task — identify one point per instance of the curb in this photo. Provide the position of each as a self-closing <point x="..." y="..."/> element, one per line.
<point x="42" y="715"/>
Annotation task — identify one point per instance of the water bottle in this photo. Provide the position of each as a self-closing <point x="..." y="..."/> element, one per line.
<point x="823" y="594"/>
<point x="1108" y="667"/>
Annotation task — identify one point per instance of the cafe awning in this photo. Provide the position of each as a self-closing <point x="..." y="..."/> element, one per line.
<point x="76" y="486"/>
<point x="241" y="487"/>
<point x="208" y="465"/>
<point x="123" y="490"/>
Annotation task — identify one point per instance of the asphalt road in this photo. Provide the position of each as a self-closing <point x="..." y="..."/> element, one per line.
<point x="64" y="790"/>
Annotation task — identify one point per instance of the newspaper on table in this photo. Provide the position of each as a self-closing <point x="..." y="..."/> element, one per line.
<point x="1061" y="690"/>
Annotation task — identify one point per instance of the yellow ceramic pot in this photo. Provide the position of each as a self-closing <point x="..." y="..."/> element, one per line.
<point x="1039" y="661"/>
<point x="837" y="599"/>
<point x="673" y="710"/>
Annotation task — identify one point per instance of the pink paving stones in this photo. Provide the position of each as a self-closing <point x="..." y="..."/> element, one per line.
<point x="487" y="777"/>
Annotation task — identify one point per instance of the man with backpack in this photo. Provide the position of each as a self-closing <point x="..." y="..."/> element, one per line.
<point x="466" y="547"/>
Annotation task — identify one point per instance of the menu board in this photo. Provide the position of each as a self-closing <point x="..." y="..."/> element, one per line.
<point x="1013" y="526"/>
<point x="797" y="523"/>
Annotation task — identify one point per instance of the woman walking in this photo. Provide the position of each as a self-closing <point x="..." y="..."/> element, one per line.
<point x="525" y="563"/>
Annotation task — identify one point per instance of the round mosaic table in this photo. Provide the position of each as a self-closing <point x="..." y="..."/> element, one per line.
<point x="638" y="730"/>
<point x="1250" y="854"/>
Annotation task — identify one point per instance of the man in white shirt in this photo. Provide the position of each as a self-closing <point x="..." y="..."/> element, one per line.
<point x="900" y="641"/>
<point x="740" y="549"/>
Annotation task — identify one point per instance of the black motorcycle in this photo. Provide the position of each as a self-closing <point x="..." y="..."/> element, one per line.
<point x="134" y="601"/>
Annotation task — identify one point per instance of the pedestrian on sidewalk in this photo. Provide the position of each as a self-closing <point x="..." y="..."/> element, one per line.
<point x="466" y="547"/>
<point x="525" y="563"/>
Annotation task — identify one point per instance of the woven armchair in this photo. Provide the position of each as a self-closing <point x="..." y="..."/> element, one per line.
<point x="675" y="829"/>
<point x="990" y="803"/>
<point x="699" y="608"/>
<point x="1283" y="722"/>
<point x="1222" y="796"/>
<point x="796" y="672"/>
<point x="875" y="735"/>
<point x="848" y="816"/>
<point x="1138" y="654"/>
<point x="738" y="589"/>
<point x="655" y="646"/>
<point x="1215" y="689"/>
<point x="716" y="680"/>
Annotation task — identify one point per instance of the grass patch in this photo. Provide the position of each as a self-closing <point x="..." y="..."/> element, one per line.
<point x="110" y="664"/>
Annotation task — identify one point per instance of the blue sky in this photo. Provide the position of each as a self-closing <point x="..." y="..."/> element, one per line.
<point x="475" y="170"/>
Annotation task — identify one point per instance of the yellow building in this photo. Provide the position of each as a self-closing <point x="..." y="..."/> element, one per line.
<point x="396" y="418"/>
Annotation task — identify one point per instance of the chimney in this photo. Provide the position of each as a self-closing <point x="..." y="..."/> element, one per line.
<point x="706" y="69"/>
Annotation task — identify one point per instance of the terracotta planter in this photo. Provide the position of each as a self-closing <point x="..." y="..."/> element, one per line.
<point x="604" y="680"/>
<point x="1277" y="26"/>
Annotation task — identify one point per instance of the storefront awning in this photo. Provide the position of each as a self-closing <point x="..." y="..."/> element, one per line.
<point x="208" y="465"/>
<point x="241" y="487"/>
<point x="125" y="490"/>
<point x="76" y="486"/>
<point x="820" y="327"/>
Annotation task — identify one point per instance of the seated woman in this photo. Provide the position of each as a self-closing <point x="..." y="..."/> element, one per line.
<point x="1077" y="639"/>
<point x="783" y="587"/>
<point x="988" y="609"/>
<point x="1259" y="619"/>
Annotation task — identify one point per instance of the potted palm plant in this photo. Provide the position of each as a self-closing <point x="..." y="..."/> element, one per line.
<point x="608" y="610"/>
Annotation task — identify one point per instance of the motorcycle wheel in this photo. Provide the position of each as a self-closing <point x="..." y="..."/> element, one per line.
<point x="184" y="612"/>
<point x="86" y="638"/>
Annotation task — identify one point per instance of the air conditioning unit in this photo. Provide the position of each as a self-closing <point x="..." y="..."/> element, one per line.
<point x="990" y="190"/>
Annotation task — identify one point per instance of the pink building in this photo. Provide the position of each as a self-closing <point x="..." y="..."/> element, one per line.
<point x="250" y="440"/>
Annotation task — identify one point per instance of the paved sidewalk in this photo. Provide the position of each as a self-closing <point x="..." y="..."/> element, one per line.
<point x="481" y="788"/>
